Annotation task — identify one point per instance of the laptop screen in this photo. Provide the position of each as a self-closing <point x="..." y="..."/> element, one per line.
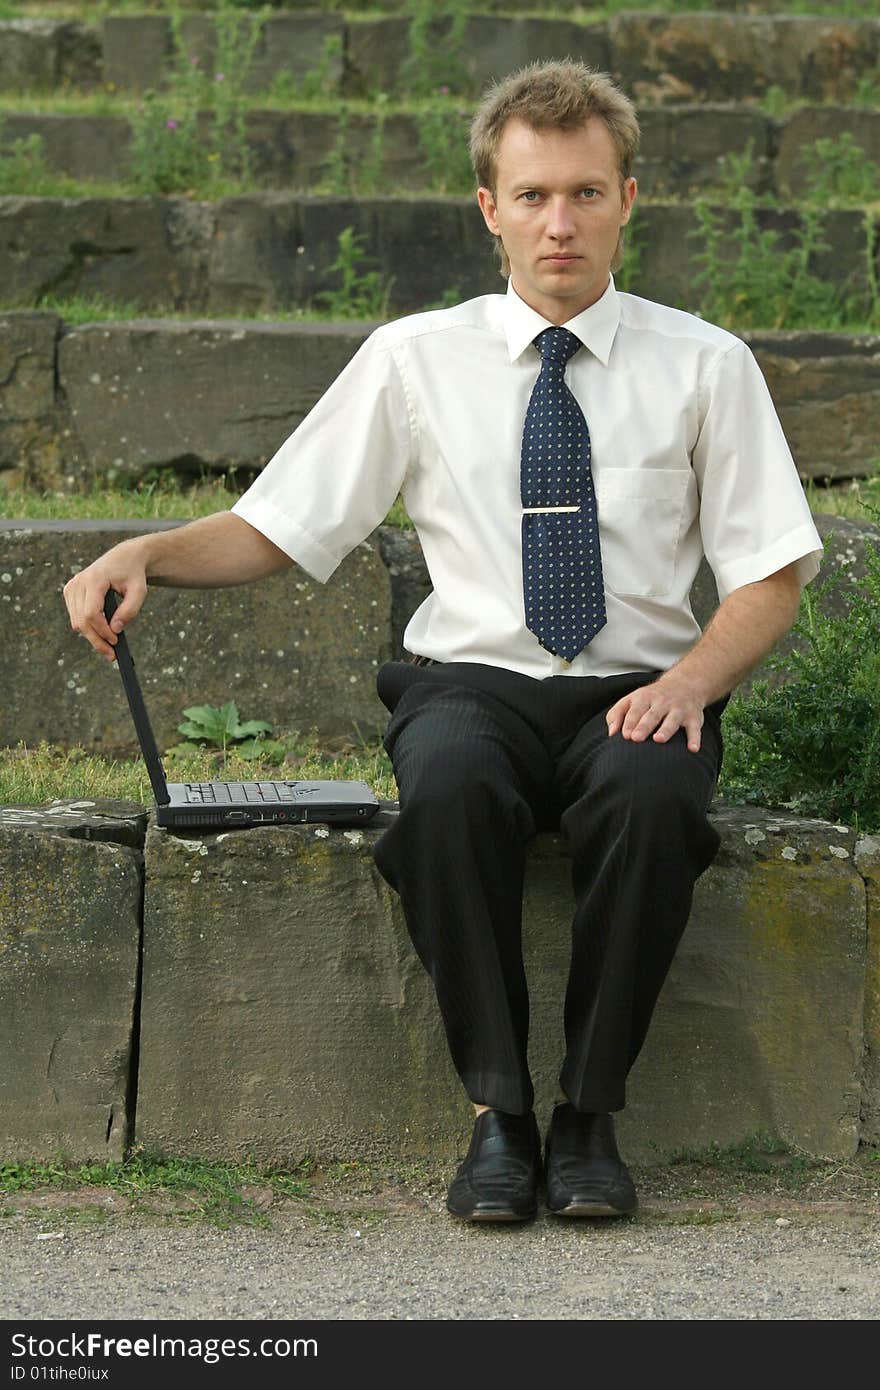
<point x="138" y="708"/>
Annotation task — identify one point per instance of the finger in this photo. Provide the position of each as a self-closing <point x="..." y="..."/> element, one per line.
<point x="670" y="725"/>
<point x="85" y="604"/>
<point x="691" y="724"/>
<point x="616" y="715"/>
<point x="693" y="727"/>
<point x="132" y="600"/>
<point x="640" y="719"/>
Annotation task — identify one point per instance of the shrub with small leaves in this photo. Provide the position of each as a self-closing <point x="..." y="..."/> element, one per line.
<point x="812" y="742"/>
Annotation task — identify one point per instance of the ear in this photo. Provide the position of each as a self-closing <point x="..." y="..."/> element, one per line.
<point x="486" y="200"/>
<point x="630" y="189"/>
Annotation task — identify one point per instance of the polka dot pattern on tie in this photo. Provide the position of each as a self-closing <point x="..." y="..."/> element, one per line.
<point x="563" y="591"/>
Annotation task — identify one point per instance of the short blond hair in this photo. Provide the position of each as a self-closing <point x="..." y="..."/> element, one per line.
<point x="561" y="95"/>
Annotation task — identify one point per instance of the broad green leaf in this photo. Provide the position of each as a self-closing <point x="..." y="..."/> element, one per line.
<point x="253" y="726"/>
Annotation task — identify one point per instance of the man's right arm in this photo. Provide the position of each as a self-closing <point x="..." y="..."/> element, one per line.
<point x="214" y="552"/>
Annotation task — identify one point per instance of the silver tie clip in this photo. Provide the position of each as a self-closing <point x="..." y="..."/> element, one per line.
<point x="551" y="509"/>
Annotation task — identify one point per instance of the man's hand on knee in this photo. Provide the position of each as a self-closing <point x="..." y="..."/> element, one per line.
<point x="659" y="710"/>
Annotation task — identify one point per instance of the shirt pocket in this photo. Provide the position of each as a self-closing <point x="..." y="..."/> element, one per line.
<point x="640" y="524"/>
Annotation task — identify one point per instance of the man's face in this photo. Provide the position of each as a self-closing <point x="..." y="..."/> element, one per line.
<point x="558" y="207"/>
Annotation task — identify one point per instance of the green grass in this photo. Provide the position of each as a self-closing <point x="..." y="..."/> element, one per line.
<point x="760" y="1154"/>
<point x="161" y="496"/>
<point x="858" y="499"/>
<point x="200" y="1191"/>
<point x="157" y="496"/>
<point x="363" y="10"/>
<point x="76" y="310"/>
<point x="38" y="775"/>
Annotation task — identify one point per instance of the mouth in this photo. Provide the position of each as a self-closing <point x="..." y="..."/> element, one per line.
<point x="562" y="258"/>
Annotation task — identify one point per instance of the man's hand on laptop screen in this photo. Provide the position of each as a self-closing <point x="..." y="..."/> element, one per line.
<point x="85" y="593"/>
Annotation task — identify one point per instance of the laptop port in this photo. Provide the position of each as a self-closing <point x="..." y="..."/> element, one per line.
<point x="237" y="815"/>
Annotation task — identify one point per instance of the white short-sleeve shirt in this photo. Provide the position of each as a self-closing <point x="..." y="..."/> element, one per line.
<point x="688" y="457"/>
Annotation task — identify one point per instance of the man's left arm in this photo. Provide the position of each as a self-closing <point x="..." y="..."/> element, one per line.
<point x="744" y="628"/>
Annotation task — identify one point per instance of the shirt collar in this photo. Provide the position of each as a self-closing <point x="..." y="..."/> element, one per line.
<point x="595" y="326"/>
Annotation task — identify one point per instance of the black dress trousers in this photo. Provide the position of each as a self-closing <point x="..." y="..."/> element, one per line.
<point x="484" y="759"/>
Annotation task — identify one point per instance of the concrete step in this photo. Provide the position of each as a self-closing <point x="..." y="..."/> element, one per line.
<point x="657" y="57"/>
<point x="274" y="1007"/>
<point x="120" y="399"/>
<point x="274" y="252"/>
<point x="300" y="150"/>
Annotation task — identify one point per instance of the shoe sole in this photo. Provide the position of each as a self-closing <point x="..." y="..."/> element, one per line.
<point x="591" y="1209"/>
<point x="501" y="1215"/>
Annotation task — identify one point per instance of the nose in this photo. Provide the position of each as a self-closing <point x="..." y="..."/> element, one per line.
<point x="560" y="223"/>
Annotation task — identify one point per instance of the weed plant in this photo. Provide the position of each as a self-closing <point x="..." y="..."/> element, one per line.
<point x="443" y="142"/>
<point x="436" y="35"/>
<point x="199" y="1190"/>
<point x="362" y="293"/>
<point x="811" y="743"/>
<point x="753" y="276"/>
<point x="194" y="136"/>
<point x="319" y="83"/>
<point x="24" y="172"/>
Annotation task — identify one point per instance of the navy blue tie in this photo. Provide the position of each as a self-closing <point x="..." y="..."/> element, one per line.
<point x="562" y="567"/>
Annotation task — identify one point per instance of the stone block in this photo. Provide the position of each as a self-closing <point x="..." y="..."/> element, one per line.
<point x="137" y="51"/>
<point x="795" y="161"/>
<point x="824" y="386"/>
<point x="137" y="251"/>
<point x="759" y="1028"/>
<point x="410" y="582"/>
<point x="868" y="864"/>
<point x="725" y="57"/>
<point x="295" y="46"/>
<point x="196" y="397"/>
<point x="299" y="654"/>
<point x="83" y="147"/>
<point x="682" y="147"/>
<point x="255" y="257"/>
<point x="274" y="1025"/>
<point x="29" y="419"/>
<point x="492" y="46"/>
<point x="275" y="251"/>
<point x="70" y="921"/>
<point x="39" y="54"/>
<point x="27" y="365"/>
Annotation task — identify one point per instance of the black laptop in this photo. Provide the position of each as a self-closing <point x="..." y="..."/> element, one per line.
<point x="190" y="805"/>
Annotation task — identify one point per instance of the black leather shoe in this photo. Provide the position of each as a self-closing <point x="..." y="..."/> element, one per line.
<point x="499" y="1177"/>
<point x="585" y="1174"/>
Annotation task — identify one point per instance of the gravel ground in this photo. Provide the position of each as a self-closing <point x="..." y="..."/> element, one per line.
<point x="367" y="1245"/>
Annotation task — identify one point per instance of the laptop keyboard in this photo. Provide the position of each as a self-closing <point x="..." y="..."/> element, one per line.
<point x="258" y="793"/>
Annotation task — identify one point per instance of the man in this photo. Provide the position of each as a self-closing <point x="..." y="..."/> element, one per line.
<point x="567" y="454"/>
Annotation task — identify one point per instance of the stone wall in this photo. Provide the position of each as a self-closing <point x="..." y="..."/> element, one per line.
<point x="272" y="253"/>
<point x="276" y="1007"/>
<point x="301" y="654"/>
<point x="116" y="400"/>
<point x="657" y="57"/>
<point x="680" y="152"/>
<point x="71" y="888"/>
